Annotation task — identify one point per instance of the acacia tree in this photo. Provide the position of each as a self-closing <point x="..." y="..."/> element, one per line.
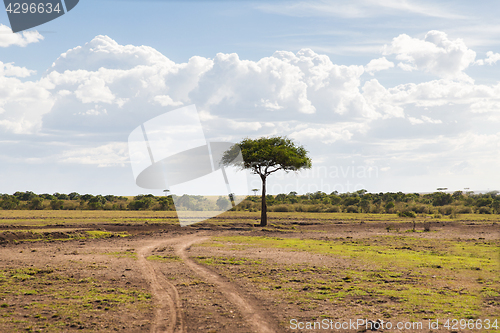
<point x="265" y="156"/>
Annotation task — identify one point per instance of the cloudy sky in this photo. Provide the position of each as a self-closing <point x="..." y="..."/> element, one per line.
<point x="385" y="95"/>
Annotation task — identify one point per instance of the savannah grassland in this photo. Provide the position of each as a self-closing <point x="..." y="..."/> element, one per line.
<point x="64" y="271"/>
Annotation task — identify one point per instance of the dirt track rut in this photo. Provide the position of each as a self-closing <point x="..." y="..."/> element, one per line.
<point x="169" y="314"/>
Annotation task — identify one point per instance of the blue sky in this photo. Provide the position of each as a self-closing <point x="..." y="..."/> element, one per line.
<point x="386" y="95"/>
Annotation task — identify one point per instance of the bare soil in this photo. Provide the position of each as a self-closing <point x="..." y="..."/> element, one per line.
<point x="187" y="296"/>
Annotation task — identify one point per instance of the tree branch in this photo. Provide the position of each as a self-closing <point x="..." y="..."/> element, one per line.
<point x="270" y="172"/>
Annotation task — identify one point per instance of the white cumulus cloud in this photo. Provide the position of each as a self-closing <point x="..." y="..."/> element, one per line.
<point x="492" y="58"/>
<point x="8" y="38"/>
<point x="380" y="64"/>
<point x="8" y="69"/>
<point x="435" y="54"/>
<point x="111" y="154"/>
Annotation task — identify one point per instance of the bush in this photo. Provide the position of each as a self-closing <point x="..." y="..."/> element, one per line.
<point x="421" y="209"/>
<point x="463" y="210"/>
<point x="142" y="204"/>
<point x="332" y="209"/>
<point x="445" y="210"/>
<point x="314" y="208"/>
<point x="407" y="213"/>
<point x="484" y="210"/>
<point x="107" y="206"/>
<point x="71" y="205"/>
<point x="56" y="204"/>
<point x="300" y="208"/>
<point x="281" y="208"/>
<point x="352" y="209"/>
<point x="36" y="203"/>
<point x="389" y="207"/>
<point x="9" y="202"/>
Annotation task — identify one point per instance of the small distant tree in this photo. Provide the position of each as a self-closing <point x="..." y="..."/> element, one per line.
<point x="96" y="202"/>
<point x="388" y="206"/>
<point x="165" y="203"/>
<point x="56" y="204"/>
<point x="36" y="203"/>
<point x="9" y="202"/>
<point x="223" y="203"/>
<point x="74" y="196"/>
<point x="265" y="156"/>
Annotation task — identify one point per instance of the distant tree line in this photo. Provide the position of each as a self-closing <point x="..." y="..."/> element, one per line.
<point x="74" y="201"/>
<point x="404" y="204"/>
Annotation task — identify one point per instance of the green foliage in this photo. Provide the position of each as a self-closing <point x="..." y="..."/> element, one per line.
<point x="56" y="204"/>
<point x="398" y="274"/>
<point x="141" y="202"/>
<point x="441" y="199"/>
<point x="223" y="203"/>
<point x="352" y="209"/>
<point x="407" y="213"/>
<point x="165" y="203"/>
<point x="265" y="156"/>
<point x="9" y="202"/>
<point x="357" y="202"/>
<point x="36" y="203"/>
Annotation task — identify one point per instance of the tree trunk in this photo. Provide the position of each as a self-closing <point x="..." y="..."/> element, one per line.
<point x="263" y="213"/>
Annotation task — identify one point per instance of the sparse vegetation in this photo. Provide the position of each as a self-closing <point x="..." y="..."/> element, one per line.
<point x="399" y="275"/>
<point x="55" y="302"/>
<point x="308" y="264"/>
<point x="411" y="205"/>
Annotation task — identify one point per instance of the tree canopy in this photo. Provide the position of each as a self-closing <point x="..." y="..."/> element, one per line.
<point x="265" y="156"/>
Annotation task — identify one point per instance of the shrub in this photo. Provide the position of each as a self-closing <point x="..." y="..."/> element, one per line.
<point x="389" y="207"/>
<point x="300" y="208"/>
<point x="481" y="202"/>
<point x="9" y="202"/>
<point x="281" y="208"/>
<point x="484" y="210"/>
<point x="445" y="210"/>
<point x="56" y="204"/>
<point x="332" y="209"/>
<point x="407" y="213"/>
<point x="36" y="203"/>
<point x="421" y="209"/>
<point x="464" y="210"/>
<point x="144" y="203"/>
<point x="108" y="206"/>
<point x="314" y="208"/>
<point x="71" y="205"/>
<point x="352" y="209"/>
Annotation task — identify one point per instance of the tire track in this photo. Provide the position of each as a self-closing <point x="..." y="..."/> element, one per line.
<point x="168" y="314"/>
<point x="248" y="308"/>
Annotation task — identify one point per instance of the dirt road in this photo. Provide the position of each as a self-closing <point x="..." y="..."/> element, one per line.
<point x="169" y="313"/>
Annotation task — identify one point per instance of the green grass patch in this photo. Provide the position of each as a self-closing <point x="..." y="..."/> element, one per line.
<point x="164" y="258"/>
<point x="105" y="234"/>
<point x="402" y="276"/>
<point x="227" y="261"/>
<point x="122" y="254"/>
<point x="47" y="300"/>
